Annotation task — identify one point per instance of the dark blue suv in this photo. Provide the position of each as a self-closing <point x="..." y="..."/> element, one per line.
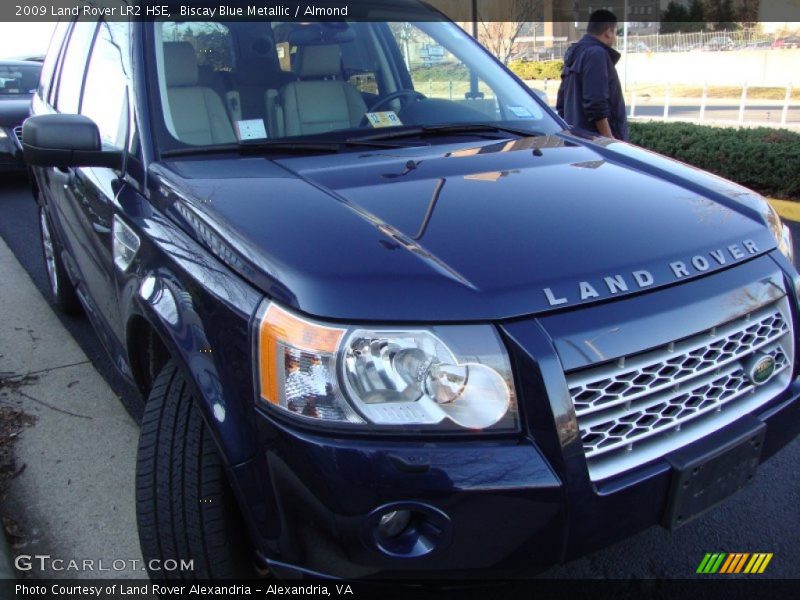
<point x="392" y="316"/>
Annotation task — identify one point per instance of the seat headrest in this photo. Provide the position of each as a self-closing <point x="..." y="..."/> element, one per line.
<point x="316" y="34"/>
<point x="320" y="61"/>
<point x="180" y="64"/>
<point x="261" y="72"/>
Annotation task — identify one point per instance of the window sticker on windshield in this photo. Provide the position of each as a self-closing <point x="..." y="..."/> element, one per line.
<point x="520" y="111"/>
<point x="251" y="129"/>
<point x="384" y="119"/>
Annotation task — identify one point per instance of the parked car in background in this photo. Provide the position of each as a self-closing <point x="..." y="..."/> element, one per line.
<point x="789" y="41"/>
<point x="758" y="45"/>
<point x="18" y="82"/>
<point x="638" y="47"/>
<point x="30" y="58"/>
<point x="719" y="43"/>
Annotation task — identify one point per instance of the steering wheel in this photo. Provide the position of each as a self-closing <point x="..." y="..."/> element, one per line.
<point x="393" y="96"/>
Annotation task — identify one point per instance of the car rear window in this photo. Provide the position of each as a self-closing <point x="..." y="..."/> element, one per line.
<point x="18" y="79"/>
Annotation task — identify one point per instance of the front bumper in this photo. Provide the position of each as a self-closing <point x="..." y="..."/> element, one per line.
<point x="491" y="507"/>
<point x="508" y="514"/>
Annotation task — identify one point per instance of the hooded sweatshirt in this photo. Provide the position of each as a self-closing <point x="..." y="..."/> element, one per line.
<point x="590" y="88"/>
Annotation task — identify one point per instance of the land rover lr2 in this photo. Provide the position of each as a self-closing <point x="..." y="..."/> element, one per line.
<point x="390" y="317"/>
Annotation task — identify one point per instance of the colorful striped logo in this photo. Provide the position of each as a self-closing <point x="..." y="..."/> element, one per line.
<point x="735" y="562"/>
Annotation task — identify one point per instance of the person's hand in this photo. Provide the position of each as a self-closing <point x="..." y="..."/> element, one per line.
<point x="604" y="128"/>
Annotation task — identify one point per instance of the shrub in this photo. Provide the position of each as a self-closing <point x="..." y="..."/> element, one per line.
<point x="547" y="69"/>
<point x="765" y="160"/>
<point x="444" y="72"/>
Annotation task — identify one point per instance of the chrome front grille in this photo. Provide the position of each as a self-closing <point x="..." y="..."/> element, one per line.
<point x="18" y="133"/>
<point x="643" y="406"/>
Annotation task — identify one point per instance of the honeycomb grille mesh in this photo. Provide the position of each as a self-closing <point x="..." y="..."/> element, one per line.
<point x="633" y="409"/>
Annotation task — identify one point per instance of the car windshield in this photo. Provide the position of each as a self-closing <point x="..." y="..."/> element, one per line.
<point x="18" y="79"/>
<point x="267" y="84"/>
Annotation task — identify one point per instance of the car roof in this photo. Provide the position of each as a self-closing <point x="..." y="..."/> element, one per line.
<point x="19" y="63"/>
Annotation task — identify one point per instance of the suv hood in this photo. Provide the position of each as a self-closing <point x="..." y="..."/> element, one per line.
<point x="469" y="231"/>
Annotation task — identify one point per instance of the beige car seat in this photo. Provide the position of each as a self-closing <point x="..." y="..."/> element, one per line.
<point x="320" y="101"/>
<point x="197" y="112"/>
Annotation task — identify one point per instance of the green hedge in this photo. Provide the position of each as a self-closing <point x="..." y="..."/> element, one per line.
<point x="765" y="160"/>
<point x="441" y="73"/>
<point x="546" y="69"/>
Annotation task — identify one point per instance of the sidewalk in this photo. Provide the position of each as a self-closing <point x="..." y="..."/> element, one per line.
<point x="74" y="496"/>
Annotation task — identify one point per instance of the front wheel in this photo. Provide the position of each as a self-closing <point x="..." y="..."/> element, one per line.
<point x="63" y="294"/>
<point x="187" y="516"/>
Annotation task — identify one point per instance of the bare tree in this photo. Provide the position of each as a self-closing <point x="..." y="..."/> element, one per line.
<point x="500" y="37"/>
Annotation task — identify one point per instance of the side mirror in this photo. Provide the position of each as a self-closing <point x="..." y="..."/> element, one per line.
<point x="61" y="140"/>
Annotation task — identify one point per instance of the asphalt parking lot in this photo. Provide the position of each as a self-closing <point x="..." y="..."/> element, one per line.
<point x="76" y="494"/>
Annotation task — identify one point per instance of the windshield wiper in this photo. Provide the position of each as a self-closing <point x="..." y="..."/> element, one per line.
<point x="322" y="145"/>
<point x="444" y="130"/>
<point x="283" y="146"/>
<point x="261" y="146"/>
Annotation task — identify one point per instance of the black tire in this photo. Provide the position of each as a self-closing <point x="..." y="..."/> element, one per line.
<point x="184" y="506"/>
<point x="61" y="289"/>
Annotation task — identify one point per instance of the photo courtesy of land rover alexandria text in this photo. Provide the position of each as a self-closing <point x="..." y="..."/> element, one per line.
<point x="385" y="326"/>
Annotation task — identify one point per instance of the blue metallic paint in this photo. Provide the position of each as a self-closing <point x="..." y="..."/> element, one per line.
<point x="507" y="225"/>
<point x="202" y="314"/>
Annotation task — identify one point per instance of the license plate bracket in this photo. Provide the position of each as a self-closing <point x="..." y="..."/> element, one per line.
<point x="711" y="470"/>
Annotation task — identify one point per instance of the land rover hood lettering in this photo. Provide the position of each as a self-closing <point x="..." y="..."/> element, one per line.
<point x="614" y="284"/>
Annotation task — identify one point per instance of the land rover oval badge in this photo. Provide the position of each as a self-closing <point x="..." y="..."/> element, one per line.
<point x="761" y="369"/>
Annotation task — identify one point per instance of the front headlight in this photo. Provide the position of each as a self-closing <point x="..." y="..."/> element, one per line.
<point x="443" y="378"/>
<point x="3" y="134"/>
<point x="781" y="232"/>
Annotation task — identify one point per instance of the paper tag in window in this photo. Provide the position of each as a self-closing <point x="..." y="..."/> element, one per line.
<point x="520" y="111"/>
<point x="251" y="129"/>
<point x="383" y="119"/>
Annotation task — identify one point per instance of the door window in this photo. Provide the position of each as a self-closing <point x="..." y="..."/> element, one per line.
<point x="104" y="94"/>
<point x="49" y="65"/>
<point x="73" y="66"/>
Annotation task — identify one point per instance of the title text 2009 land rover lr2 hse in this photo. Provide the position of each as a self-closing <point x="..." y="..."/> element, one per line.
<point x="390" y="325"/>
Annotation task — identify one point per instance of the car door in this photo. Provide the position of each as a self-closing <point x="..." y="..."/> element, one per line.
<point x="105" y="101"/>
<point x="57" y="183"/>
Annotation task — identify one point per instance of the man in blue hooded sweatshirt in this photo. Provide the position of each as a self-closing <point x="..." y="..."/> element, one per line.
<point x="590" y="95"/>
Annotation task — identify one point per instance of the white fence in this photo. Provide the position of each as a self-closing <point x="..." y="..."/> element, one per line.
<point x="745" y="111"/>
<point x="712" y="41"/>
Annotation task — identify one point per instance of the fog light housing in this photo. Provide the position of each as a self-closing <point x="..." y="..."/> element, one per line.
<point x="406" y="530"/>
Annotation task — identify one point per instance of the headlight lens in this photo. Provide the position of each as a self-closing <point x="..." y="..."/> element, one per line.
<point x="782" y="233"/>
<point x="3" y="134"/>
<point x="441" y="378"/>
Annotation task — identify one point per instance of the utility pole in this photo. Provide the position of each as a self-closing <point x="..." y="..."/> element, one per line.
<point x="625" y="45"/>
<point x="473" y="78"/>
<point x="475" y="19"/>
